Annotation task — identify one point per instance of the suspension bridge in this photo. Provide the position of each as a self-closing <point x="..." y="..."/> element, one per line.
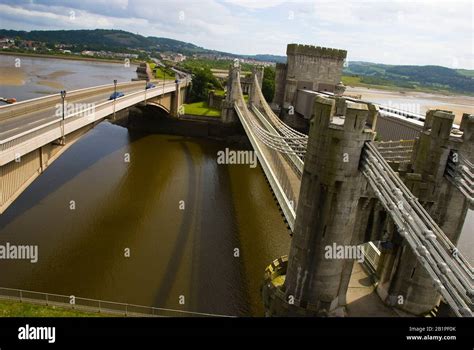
<point x="281" y="151"/>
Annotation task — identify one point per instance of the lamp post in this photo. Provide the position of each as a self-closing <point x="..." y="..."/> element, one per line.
<point x="164" y="77"/>
<point x="63" y="97"/>
<point x="115" y="94"/>
<point x="115" y="89"/>
<point x="146" y="85"/>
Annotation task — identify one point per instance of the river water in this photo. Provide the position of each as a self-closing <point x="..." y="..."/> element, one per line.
<point x="179" y="214"/>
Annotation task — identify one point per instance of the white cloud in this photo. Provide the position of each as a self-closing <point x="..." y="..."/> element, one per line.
<point x="404" y="32"/>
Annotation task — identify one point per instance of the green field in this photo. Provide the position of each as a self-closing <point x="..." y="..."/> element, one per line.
<point x="219" y="92"/>
<point x="202" y="109"/>
<point x="366" y="82"/>
<point x="162" y="73"/>
<point x="466" y="72"/>
<point x="16" y="309"/>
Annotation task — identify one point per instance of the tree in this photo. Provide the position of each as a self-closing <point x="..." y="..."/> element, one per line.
<point x="203" y="81"/>
<point x="268" y="83"/>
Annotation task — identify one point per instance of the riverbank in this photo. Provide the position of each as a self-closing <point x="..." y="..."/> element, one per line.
<point x="355" y="82"/>
<point x="21" y="309"/>
<point x="416" y="101"/>
<point x="66" y="57"/>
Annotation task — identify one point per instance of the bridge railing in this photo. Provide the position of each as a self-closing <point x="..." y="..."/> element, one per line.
<point x="396" y="151"/>
<point x="450" y="271"/>
<point x="94" y="305"/>
<point x="32" y="105"/>
<point x="371" y="256"/>
<point x="270" y="160"/>
<point x="460" y="172"/>
<point x="35" y="137"/>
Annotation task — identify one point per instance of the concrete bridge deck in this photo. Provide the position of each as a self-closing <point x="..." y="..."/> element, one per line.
<point x="33" y="133"/>
<point x="13" y="126"/>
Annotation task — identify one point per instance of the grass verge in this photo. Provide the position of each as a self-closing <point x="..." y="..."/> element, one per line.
<point x="10" y="308"/>
<point x="202" y="109"/>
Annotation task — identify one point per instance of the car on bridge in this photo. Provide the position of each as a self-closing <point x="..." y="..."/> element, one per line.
<point x="116" y="95"/>
<point x="150" y="86"/>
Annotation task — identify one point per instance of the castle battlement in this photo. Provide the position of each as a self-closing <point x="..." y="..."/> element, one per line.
<point x="315" y="51"/>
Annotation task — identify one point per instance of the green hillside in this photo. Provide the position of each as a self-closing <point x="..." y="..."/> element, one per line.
<point x="434" y="78"/>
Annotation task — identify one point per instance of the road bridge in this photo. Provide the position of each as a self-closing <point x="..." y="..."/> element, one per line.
<point x="35" y="132"/>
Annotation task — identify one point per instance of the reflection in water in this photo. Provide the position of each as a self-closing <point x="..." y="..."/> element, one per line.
<point x="174" y="250"/>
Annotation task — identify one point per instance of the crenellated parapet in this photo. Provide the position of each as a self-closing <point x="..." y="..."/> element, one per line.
<point x="308" y="67"/>
<point x="316" y="51"/>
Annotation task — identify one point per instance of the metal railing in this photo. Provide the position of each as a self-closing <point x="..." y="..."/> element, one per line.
<point x="32" y="105"/>
<point x="371" y="255"/>
<point x="396" y="151"/>
<point x="451" y="273"/>
<point x="94" y="305"/>
<point x="460" y="172"/>
<point x="49" y="131"/>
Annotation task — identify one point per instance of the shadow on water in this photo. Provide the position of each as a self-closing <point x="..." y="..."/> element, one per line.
<point x="92" y="256"/>
<point x="217" y="281"/>
<point x="219" y="269"/>
<point x="85" y="152"/>
<point x="184" y="232"/>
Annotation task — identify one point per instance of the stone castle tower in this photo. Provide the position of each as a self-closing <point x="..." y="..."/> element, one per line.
<point x="308" y="67"/>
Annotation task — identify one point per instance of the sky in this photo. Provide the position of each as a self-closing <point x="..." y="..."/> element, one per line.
<point x="393" y="32"/>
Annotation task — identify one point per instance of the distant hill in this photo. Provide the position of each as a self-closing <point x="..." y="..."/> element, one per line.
<point x="119" y="40"/>
<point x="367" y="73"/>
<point x="104" y="39"/>
<point x="269" y="58"/>
<point x="433" y="77"/>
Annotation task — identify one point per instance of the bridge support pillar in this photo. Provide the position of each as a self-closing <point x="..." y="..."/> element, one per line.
<point x="176" y="101"/>
<point x="258" y="72"/>
<point x="407" y="285"/>
<point x="228" y="113"/>
<point x="324" y="244"/>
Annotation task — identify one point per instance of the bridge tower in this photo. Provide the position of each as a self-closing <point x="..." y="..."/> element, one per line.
<point x="308" y="67"/>
<point x="404" y="282"/>
<point x="315" y="283"/>
<point x="232" y="96"/>
<point x="256" y="71"/>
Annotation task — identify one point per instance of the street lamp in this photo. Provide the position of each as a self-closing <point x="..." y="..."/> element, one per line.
<point x="146" y="85"/>
<point x="63" y="97"/>
<point x="164" y="77"/>
<point x="115" y="94"/>
<point x="115" y="89"/>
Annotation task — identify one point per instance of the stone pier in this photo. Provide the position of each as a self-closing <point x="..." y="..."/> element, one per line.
<point x="315" y="283"/>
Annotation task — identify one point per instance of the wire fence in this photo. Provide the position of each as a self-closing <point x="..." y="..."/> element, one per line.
<point x="95" y="306"/>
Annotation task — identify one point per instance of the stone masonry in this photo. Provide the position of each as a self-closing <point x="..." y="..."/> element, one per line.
<point x="308" y="67"/>
<point x="330" y="190"/>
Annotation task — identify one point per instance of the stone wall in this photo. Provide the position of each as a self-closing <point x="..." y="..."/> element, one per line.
<point x="215" y="101"/>
<point x="312" y="68"/>
<point x="308" y="67"/>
